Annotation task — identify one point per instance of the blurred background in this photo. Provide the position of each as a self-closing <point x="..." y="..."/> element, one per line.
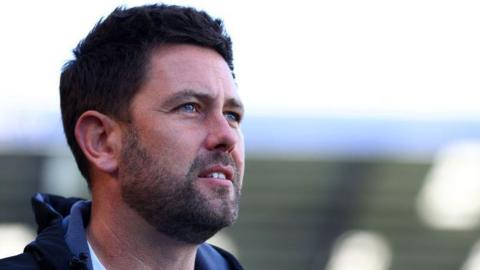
<point x="362" y="128"/>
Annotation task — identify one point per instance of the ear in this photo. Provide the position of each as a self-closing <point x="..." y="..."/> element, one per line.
<point x="99" y="137"/>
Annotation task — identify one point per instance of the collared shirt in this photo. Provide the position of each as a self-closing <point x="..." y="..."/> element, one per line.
<point x="97" y="265"/>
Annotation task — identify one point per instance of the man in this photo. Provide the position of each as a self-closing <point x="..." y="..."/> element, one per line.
<point x="152" y="115"/>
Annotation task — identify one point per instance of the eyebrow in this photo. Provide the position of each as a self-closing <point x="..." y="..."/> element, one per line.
<point x="235" y="103"/>
<point x="189" y="93"/>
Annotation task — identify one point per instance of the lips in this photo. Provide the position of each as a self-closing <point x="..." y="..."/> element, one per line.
<point x="218" y="172"/>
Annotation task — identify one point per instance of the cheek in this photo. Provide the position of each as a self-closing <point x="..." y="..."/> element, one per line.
<point x="177" y="148"/>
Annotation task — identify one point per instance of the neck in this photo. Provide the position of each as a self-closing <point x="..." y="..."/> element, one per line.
<point x="122" y="239"/>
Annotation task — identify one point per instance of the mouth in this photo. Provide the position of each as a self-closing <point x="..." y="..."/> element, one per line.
<point x="218" y="172"/>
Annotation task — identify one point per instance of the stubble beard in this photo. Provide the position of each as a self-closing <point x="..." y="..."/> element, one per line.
<point x="171" y="203"/>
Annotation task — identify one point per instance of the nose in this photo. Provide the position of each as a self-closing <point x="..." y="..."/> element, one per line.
<point x="221" y="135"/>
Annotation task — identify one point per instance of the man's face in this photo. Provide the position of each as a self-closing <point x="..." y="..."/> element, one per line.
<point x="182" y="159"/>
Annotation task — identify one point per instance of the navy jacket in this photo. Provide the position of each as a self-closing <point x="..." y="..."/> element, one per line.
<point x="61" y="242"/>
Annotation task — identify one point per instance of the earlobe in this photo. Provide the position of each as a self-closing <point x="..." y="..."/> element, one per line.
<point x="99" y="138"/>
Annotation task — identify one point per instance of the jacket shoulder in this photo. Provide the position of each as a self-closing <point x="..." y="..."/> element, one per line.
<point x="232" y="261"/>
<point x="24" y="261"/>
<point x="213" y="257"/>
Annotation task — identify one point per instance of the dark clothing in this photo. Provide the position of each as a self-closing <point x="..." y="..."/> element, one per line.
<point x="61" y="242"/>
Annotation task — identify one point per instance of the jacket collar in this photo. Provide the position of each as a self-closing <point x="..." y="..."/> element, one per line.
<point x="50" y="249"/>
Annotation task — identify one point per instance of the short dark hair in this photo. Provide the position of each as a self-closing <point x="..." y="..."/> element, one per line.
<point x="109" y="65"/>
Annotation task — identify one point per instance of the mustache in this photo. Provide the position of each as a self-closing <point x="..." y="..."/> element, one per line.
<point x="214" y="158"/>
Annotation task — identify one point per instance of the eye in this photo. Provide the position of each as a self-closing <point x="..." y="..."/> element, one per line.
<point x="189" y="107"/>
<point x="233" y="117"/>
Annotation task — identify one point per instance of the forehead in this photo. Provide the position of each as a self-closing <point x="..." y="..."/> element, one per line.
<point x="175" y="68"/>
